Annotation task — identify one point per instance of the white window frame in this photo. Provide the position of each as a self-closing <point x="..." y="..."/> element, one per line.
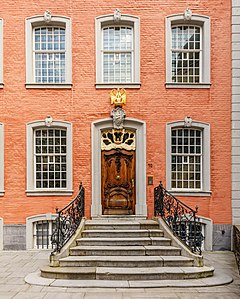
<point x="204" y="23"/>
<point x="38" y="21"/>
<point x="205" y="186"/>
<point x="31" y="190"/>
<point x="1" y="159"/>
<point x="108" y="20"/>
<point x="30" y="222"/>
<point x="1" y="53"/>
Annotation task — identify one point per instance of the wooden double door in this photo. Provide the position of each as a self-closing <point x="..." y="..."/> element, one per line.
<point x="118" y="182"/>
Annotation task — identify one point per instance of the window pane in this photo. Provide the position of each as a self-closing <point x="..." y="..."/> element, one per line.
<point x="117" y="54"/>
<point x="50" y="158"/>
<point x="48" y="40"/>
<point x="186" y="161"/>
<point x="186" y="47"/>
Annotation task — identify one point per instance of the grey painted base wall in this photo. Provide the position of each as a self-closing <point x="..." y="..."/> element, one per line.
<point x="222" y="234"/>
<point x="14" y="237"/>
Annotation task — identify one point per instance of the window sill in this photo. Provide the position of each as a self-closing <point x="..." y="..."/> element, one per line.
<point x="1" y="85"/>
<point x="49" y="192"/>
<point x="190" y="193"/>
<point x="2" y="193"/>
<point x="117" y="85"/>
<point x="187" y="85"/>
<point x="49" y="85"/>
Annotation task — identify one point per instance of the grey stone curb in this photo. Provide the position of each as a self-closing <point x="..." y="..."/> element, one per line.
<point x="217" y="280"/>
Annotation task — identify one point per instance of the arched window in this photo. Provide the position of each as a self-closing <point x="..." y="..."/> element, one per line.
<point x="39" y="229"/>
<point x="48" y="52"/>
<point x="188" y="51"/>
<point x="49" y="158"/>
<point x="117" y="51"/>
<point x="188" y="157"/>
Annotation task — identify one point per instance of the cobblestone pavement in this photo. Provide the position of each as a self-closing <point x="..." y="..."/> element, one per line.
<point x="15" y="265"/>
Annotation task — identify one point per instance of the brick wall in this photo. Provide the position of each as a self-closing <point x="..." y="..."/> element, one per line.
<point x="83" y="104"/>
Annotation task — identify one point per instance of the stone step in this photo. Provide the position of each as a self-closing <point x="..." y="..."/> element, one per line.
<point x="155" y="273"/>
<point x="109" y="273"/>
<point x="122" y="233"/>
<point x="126" y="261"/>
<point x="124" y="241"/>
<point x="120" y="224"/>
<point x="125" y="250"/>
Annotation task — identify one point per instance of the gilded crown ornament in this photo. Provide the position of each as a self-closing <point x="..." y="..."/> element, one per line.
<point x="118" y="97"/>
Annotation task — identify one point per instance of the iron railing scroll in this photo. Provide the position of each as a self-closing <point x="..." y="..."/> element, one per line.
<point x="180" y="218"/>
<point x="68" y="220"/>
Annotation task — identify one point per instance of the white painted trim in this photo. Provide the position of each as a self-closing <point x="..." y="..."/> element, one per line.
<point x="1" y="159"/>
<point x="1" y="53"/>
<point x="207" y="232"/>
<point x="205" y="127"/>
<point x="1" y="234"/>
<point x="204" y="22"/>
<point x="130" y="123"/>
<point x="189" y="85"/>
<point x="118" y="85"/>
<point x="34" y="21"/>
<point x="47" y="85"/>
<point x="30" y="189"/>
<point x="29" y="227"/>
<point x="107" y="20"/>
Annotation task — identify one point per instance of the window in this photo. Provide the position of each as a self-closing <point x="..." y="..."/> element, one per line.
<point x="49" y="158"/>
<point x="188" y="51"/>
<point x="117" y="54"/>
<point x="188" y="158"/>
<point x="48" y="52"/>
<point x="1" y="160"/>
<point x="117" y="51"/>
<point x="1" y="53"/>
<point x="42" y="233"/>
<point x="39" y="230"/>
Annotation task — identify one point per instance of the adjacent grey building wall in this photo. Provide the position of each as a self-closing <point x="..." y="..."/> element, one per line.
<point x="236" y="111"/>
<point x="222" y="237"/>
<point x="14" y="237"/>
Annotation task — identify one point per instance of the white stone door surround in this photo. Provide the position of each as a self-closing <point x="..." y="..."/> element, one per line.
<point x="140" y="128"/>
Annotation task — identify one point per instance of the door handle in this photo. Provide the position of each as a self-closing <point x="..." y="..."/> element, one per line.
<point x="132" y="181"/>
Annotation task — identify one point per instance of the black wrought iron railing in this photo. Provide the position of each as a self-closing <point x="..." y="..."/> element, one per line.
<point x="68" y="220"/>
<point x="181" y="219"/>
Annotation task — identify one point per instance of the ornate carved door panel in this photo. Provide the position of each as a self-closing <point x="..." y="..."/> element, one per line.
<point x="118" y="181"/>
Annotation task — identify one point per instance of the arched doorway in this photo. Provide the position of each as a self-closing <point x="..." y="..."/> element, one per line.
<point x="119" y="169"/>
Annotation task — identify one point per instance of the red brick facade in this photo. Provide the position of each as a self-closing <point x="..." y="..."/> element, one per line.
<point x="83" y="103"/>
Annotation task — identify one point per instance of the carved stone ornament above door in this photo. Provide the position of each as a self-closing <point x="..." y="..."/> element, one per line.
<point x="122" y="139"/>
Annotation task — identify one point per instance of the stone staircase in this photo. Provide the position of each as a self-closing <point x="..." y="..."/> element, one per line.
<point x="123" y="249"/>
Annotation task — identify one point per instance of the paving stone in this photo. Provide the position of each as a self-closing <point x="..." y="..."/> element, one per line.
<point x="103" y="295"/>
<point x="24" y="295"/>
<point x="7" y="295"/>
<point x="92" y="283"/>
